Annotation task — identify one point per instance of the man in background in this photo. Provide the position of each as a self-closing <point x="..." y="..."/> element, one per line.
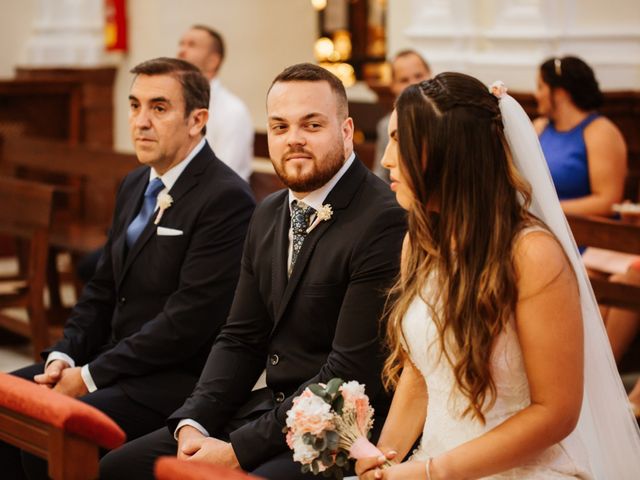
<point x="407" y="67"/>
<point x="229" y="128"/>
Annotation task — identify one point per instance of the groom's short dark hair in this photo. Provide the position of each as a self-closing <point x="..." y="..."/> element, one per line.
<point x="308" y="72"/>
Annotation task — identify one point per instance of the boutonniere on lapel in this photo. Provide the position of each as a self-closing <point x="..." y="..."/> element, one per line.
<point x="164" y="201"/>
<point x="322" y="215"/>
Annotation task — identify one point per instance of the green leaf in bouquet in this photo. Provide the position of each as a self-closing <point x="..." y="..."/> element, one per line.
<point x="333" y="472"/>
<point x="319" y="443"/>
<point x="326" y="458"/>
<point x="337" y="404"/>
<point x="318" y="390"/>
<point x="308" y="438"/>
<point x="305" y="468"/>
<point x="333" y="438"/>
<point x="334" y="385"/>
<point x="315" y="468"/>
<point x="342" y="458"/>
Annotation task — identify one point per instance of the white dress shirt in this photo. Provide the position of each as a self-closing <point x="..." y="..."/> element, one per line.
<point x="314" y="199"/>
<point x="230" y="130"/>
<point x="168" y="179"/>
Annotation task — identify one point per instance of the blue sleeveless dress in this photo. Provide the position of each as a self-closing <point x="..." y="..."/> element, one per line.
<point x="566" y="155"/>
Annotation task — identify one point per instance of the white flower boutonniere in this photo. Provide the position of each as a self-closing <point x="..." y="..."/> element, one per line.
<point x="323" y="214"/>
<point x="164" y="201"/>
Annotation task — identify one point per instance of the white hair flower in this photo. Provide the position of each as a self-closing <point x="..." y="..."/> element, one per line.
<point x="498" y="88"/>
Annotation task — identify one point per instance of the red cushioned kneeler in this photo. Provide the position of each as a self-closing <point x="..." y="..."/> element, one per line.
<point x="170" y="468"/>
<point x="62" y="430"/>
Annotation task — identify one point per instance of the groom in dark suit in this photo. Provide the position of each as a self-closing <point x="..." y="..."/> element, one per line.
<point x="138" y="337"/>
<point x="316" y="263"/>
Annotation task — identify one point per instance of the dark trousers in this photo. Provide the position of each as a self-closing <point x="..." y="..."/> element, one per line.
<point x="135" y="460"/>
<point x="135" y="419"/>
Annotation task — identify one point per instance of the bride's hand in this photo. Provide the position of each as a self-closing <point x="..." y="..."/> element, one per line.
<point x="400" y="471"/>
<point x="371" y="467"/>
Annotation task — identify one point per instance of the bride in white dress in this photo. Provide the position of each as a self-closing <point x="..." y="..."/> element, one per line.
<point x="497" y="354"/>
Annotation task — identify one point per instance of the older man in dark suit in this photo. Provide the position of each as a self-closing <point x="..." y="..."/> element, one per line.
<point x="138" y="337"/>
<point x="315" y="267"/>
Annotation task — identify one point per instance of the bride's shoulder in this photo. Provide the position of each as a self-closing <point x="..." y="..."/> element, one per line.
<point x="539" y="261"/>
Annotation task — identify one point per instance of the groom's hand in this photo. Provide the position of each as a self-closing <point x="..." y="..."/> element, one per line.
<point x="216" y="451"/>
<point x="189" y="441"/>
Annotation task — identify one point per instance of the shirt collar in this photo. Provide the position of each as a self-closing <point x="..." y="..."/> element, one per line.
<point x="316" y="198"/>
<point x="214" y="85"/>
<point x="171" y="176"/>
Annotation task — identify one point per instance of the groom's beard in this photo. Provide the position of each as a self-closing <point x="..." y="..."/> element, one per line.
<point x="323" y="169"/>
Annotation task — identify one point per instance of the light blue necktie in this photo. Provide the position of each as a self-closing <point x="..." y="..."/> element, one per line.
<point x="148" y="206"/>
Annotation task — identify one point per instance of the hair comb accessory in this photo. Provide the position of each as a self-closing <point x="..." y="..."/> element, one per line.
<point x="498" y="89"/>
<point x="557" y="64"/>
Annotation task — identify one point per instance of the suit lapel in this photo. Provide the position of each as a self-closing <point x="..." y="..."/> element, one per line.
<point x="186" y="181"/>
<point x="339" y="199"/>
<point x="280" y="252"/>
<point x="131" y="209"/>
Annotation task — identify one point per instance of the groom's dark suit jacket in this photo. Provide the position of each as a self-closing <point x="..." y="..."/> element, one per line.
<point x="147" y="319"/>
<point x="323" y="322"/>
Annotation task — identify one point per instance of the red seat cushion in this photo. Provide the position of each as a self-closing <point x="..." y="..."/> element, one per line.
<point x="170" y="468"/>
<point x="60" y="411"/>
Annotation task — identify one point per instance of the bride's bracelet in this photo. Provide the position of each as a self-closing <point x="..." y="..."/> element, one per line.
<point x="427" y="467"/>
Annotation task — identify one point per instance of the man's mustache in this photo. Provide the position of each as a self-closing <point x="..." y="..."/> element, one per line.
<point x="296" y="152"/>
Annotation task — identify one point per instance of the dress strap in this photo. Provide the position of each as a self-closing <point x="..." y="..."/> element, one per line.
<point x="590" y="118"/>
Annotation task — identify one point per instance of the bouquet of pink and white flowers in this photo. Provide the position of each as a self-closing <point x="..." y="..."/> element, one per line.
<point x="328" y="424"/>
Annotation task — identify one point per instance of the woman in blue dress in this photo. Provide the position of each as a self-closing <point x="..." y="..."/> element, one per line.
<point x="585" y="151"/>
<point x="587" y="158"/>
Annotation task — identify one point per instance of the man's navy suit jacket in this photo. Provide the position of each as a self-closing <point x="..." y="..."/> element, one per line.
<point x="322" y="322"/>
<point x="148" y="317"/>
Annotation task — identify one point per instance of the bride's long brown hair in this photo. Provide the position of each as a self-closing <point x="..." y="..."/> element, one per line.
<point x="469" y="203"/>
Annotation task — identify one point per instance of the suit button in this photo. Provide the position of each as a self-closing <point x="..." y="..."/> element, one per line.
<point x="275" y="359"/>
<point x="279" y="397"/>
<point x="123" y="300"/>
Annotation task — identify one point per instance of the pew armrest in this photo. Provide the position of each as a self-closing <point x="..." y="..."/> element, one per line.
<point x="62" y="430"/>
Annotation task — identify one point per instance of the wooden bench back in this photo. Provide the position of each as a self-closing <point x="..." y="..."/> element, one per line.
<point x="605" y="233"/>
<point x="90" y="175"/>
<point x="25" y="207"/>
<point x="611" y="235"/>
<point x="60" y="157"/>
<point x="25" y="215"/>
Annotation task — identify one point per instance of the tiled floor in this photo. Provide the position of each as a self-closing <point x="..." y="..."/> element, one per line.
<point x="13" y="357"/>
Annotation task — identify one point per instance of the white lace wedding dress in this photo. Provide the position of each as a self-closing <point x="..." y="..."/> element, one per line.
<point x="445" y="428"/>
